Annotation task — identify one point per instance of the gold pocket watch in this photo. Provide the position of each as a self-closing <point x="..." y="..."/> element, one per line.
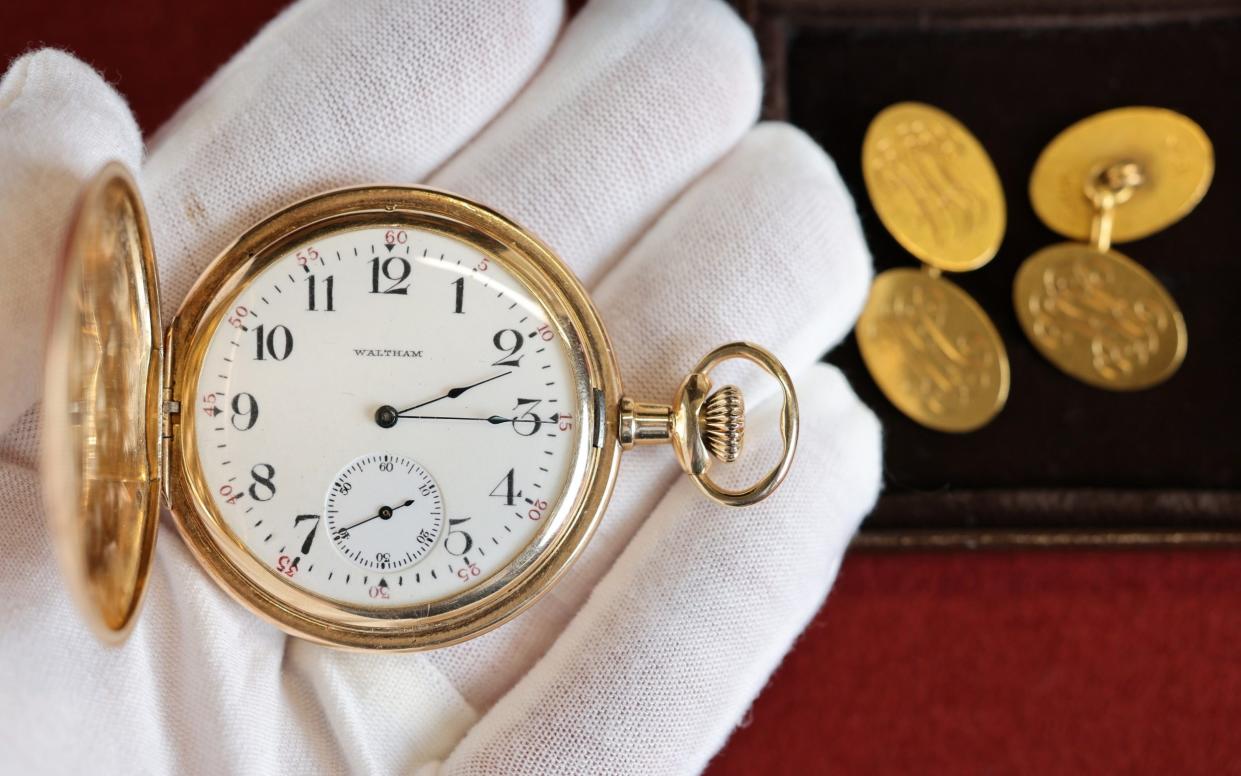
<point x="384" y="418"/>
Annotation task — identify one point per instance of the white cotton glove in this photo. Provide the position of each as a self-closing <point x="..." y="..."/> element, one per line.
<point x="625" y="140"/>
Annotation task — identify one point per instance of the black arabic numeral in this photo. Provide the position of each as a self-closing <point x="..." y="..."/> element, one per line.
<point x="507" y="484"/>
<point x="499" y="341"/>
<point x="328" y="282"/>
<point x="466" y="540"/>
<point x="246" y="410"/>
<point x="527" y="423"/>
<point x="460" y="295"/>
<point x="310" y="537"/>
<point x="278" y="343"/>
<point x="395" y="270"/>
<point x="262" y="482"/>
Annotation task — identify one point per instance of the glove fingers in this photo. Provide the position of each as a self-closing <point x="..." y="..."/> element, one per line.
<point x="682" y="633"/>
<point x="388" y="713"/>
<point x="636" y="101"/>
<point x="764" y="247"/>
<point x="193" y="653"/>
<point x="327" y="95"/>
<point x="197" y="669"/>
<point x="59" y="122"/>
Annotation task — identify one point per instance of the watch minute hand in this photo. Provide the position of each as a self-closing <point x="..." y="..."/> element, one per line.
<point x="494" y="420"/>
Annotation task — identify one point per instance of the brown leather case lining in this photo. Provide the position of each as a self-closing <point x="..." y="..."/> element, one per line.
<point x="1064" y="463"/>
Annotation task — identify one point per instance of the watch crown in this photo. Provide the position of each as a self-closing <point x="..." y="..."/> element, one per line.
<point x="723" y="423"/>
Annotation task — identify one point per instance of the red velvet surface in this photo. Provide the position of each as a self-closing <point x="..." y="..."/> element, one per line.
<point x="1038" y="662"/>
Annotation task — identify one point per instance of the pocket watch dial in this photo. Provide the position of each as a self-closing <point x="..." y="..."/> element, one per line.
<point x="385" y="416"/>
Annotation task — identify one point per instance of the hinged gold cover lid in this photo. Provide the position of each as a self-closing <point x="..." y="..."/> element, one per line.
<point x="101" y="413"/>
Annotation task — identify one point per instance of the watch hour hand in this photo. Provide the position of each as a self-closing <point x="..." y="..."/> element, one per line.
<point x="455" y="392"/>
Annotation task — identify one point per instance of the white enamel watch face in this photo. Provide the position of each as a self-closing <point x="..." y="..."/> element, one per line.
<point x="385" y="416"/>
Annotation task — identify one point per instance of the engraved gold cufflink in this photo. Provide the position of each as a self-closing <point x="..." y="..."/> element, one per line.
<point x="930" y="347"/>
<point x="1115" y="176"/>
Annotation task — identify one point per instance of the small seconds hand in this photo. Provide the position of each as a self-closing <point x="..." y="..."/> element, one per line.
<point x="384" y="513"/>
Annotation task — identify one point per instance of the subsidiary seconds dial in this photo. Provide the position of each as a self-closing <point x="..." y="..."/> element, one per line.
<point x="384" y="512"/>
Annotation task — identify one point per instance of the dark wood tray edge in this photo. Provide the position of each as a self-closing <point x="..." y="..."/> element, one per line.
<point x="887" y="541"/>
<point x="1034" y="518"/>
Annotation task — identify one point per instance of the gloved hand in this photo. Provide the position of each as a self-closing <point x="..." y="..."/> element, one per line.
<point x="626" y="141"/>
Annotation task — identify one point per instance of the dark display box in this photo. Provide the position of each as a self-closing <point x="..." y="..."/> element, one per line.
<point x="1064" y="463"/>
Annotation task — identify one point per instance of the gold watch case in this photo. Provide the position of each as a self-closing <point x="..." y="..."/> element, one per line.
<point x="118" y="427"/>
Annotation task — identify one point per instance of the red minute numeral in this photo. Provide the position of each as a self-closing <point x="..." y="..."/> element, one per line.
<point x="226" y="491"/>
<point x="286" y="566"/>
<point x="472" y="570"/>
<point x="536" y="512"/>
<point x="395" y="237"/>
<point x="238" y="314"/>
<point x="481" y="266"/>
<point x="546" y="333"/>
<point x="566" y="421"/>
<point x="307" y="255"/>
<point x="378" y="591"/>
